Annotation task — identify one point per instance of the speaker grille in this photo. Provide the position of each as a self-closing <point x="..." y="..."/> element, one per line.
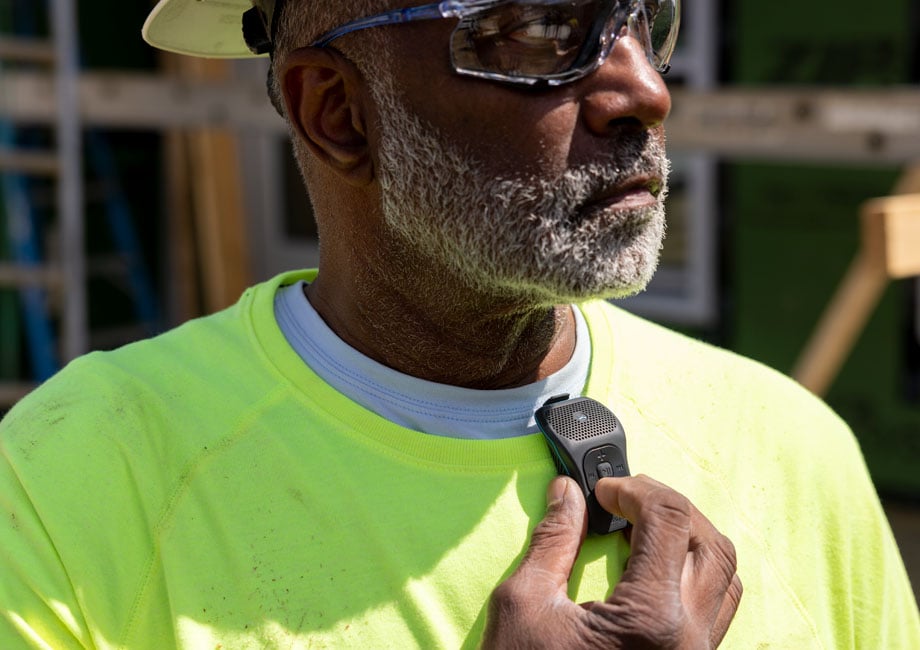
<point x="582" y="420"/>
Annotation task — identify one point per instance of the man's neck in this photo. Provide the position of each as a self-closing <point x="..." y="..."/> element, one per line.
<point x="443" y="333"/>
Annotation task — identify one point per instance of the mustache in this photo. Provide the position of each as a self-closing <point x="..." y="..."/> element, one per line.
<point x="638" y="162"/>
<point x="629" y="155"/>
<point x="626" y="159"/>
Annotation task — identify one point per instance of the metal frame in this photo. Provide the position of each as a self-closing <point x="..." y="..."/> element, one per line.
<point x="689" y="295"/>
<point x="75" y="334"/>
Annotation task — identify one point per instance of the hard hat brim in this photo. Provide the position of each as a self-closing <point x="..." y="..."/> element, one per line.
<point x="207" y="28"/>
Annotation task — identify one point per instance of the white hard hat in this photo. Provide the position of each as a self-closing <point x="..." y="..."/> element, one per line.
<point x="209" y="28"/>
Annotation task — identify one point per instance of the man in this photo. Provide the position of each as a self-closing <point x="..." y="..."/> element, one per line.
<point x="348" y="457"/>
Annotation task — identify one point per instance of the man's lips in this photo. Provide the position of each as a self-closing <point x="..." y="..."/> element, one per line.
<point x="638" y="192"/>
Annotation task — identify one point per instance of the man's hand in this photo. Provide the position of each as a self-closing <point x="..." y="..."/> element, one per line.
<point x="680" y="589"/>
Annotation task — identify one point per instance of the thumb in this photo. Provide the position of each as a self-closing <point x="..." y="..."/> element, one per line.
<point x="556" y="540"/>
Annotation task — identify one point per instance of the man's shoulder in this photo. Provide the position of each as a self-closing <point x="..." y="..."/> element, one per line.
<point x="131" y="366"/>
<point x="141" y="386"/>
<point x="677" y="376"/>
<point x="630" y="339"/>
<point x="205" y="348"/>
<point x="115" y="393"/>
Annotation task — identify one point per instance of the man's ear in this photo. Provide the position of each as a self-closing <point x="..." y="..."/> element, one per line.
<point x="324" y="96"/>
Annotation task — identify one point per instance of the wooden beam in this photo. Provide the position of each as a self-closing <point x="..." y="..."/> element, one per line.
<point x="33" y="163"/>
<point x="15" y="275"/>
<point x="143" y="101"/>
<point x="220" y="221"/>
<point x="889" y="249"/>
<point x="837" y="125"/>
<point x="12" y="392"/>
<point x="215" y="184"/>
<point x="891" y="234"/>
<point x="183" y="287"/>
<point x="880" y="125"/>
<point x="841" y="324"/>
<point x="26" y="50"/>
<point x="909" y="182"/>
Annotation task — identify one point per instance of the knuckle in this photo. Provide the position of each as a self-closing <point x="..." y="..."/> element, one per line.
<point x="639" y="620"/>
<point x="727" y="548"/>
<point x="669" y="506"/>
<point x="506" y="599"/>
<point x="505" y="594"/>
<point x="726" y="554"/>
<point x="674" y="502"/>
<point x="655" y="498"/>
<point x="736" y="591"/>
<point x="718" y="555"/>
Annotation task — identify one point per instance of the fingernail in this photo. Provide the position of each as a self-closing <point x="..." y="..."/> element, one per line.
<point x="555" y="493"/>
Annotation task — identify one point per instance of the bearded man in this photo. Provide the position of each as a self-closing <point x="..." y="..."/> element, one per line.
<point x="349" y="456"/>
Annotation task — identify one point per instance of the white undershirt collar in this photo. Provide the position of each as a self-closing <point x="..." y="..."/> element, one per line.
<point x="424" y="406"/>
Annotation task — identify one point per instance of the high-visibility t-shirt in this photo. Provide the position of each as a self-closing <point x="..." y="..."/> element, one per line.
<point x="204" y="489"/>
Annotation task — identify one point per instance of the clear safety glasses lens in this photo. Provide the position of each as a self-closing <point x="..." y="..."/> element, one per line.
<point x="662" y="25"/>
<point x="559" y="41"/>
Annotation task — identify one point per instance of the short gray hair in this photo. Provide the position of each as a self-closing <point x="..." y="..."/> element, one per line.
<point x="303" y="21"/>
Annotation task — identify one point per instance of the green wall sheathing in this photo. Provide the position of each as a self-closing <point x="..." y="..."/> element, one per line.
<point x="794" y="234"/>
<point x="110" y="35"/>
<point x="793" y="229"/>
<point x="844" y="42"/>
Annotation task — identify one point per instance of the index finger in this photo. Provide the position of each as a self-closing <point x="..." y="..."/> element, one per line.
<point x="661" y="519"/>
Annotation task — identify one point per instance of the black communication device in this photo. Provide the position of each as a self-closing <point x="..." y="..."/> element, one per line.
<point x="587" y="442"/>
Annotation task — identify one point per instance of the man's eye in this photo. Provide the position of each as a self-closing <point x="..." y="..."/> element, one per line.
<point x="540" y="32"/>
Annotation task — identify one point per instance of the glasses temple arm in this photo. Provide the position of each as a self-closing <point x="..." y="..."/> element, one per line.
<point x="423" y="12"/>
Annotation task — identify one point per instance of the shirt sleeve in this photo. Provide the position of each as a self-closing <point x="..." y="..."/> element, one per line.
<point x="881" y="593"/>
<point x="38" y="603"/>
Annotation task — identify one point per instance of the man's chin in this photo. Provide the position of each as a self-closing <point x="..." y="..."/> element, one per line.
<point x="546" y="291"/>
<point x="614" y="292"/>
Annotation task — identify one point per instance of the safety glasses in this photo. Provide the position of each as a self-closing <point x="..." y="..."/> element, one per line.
<point x="548" y="42"/>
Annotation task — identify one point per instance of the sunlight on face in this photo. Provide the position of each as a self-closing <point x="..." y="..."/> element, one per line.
<point x="529" y="236"/>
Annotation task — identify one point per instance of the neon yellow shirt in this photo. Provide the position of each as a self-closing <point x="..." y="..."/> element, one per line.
<point x="205" y="490"/>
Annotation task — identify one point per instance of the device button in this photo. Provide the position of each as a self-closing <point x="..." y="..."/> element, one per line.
<point x="604" y="470"/>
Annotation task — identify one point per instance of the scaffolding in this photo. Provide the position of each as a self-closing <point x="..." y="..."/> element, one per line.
<point x="30" y="271"/>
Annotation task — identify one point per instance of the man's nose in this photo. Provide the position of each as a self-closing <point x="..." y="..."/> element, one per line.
<point x="625" y="88"/>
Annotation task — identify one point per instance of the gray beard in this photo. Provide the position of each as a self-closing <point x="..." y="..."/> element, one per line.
<point x="524" y="237"/>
